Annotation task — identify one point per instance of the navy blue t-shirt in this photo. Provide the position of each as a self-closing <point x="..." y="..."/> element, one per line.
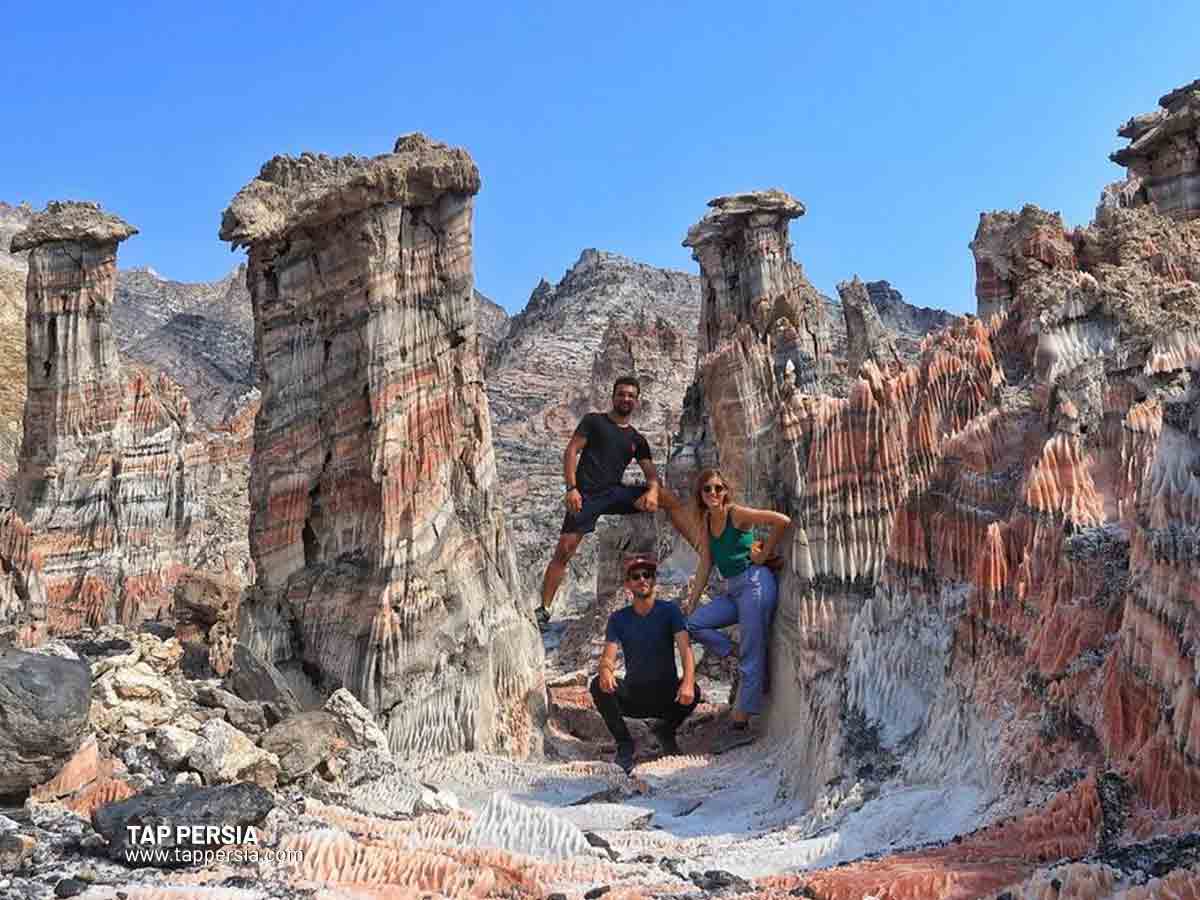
<point x="608" y="450"/>
<point x="648" y="642"/>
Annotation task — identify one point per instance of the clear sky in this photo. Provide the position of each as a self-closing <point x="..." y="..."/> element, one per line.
<point x="599" y="125"/>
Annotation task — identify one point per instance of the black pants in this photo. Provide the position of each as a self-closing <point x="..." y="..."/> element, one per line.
<point x="640" y="702"/>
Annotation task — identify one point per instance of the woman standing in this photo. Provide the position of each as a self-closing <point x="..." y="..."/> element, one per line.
<point x="751" y="592"/>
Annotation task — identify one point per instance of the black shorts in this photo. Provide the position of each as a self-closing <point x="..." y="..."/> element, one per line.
<point x="614" y="501"/>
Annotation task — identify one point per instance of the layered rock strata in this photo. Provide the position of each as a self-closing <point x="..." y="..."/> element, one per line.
<point x="199" y="334"/>
<point x="608" y="316"/>
<point x="987" y="582"/>
<point x="1163" y="156"/>
<point x="112" y="478"/>
<point x="981" y="556"/>
<point x="760" y="319"/>
<point x="492" y="323"/>
<point x="22" y="593"/>
<point x="382" y="556"/>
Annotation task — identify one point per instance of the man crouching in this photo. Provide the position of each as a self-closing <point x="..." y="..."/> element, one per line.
<point x="648" y="631"/>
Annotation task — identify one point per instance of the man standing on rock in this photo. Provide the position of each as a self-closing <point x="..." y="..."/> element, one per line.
<point x="593" y="465"/>
<point x="648" y="632"/>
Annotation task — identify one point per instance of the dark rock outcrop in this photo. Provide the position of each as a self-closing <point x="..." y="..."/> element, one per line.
<point x="164" y="809"/>
<point x="44" y="703"/>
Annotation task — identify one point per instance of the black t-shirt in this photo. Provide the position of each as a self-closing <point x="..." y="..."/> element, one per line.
<point x="648" y="642"/>
<point x="608" y="451"/>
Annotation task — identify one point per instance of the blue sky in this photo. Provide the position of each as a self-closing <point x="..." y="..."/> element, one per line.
<point x="599" y="125"/>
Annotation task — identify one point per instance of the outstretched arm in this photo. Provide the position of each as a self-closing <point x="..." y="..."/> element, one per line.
<point x="648" y="502"/>
<point x="746" y="517"/>
<point x="699" y="580"/>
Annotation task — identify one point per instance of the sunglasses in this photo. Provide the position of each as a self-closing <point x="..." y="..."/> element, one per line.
<point x="641" y="575"/>
<point x="713" y="489"/>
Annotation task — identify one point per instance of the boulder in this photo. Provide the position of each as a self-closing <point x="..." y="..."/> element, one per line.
<point x="244" y="715"/>
<point x="174" y="745"/>
<point x="223" y="754"/>
<point x="44" y="702"/>
<point x="15" y="850"/>
<point x="233" y="806"/>
<point x="302" y="742"/>
<point x="133" y="698"/>
<point x="357" y="723"/>
<point x="253" y="678"/>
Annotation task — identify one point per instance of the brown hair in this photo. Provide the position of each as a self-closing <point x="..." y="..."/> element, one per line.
<point x="630" y="381"/>
<point x="698" y="491"/>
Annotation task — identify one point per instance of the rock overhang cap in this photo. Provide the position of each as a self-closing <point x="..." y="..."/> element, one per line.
<point x="1179" y="112"/>
<point x="72" y="220"/>
<point x="730" y="211"/>
<point x="295" y="192"/>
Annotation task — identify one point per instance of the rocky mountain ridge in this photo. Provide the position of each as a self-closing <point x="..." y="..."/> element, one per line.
<point x="608" y="316"/>
<point x="983" y="672"/>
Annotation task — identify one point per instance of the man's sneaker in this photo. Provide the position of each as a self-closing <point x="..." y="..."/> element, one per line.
<point x="543" y="617"/>
<point x="666" y="739"/>
<point x="625" y="756"/>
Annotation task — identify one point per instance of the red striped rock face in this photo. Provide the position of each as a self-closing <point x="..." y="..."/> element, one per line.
<point x="992" y="562"/>
<point x="112" y="480"/>
<point x="381" y="552"/>
<point x="760" y="317"/>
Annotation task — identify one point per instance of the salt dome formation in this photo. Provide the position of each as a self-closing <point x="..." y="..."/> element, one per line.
<point x="383" y="560"/>
<point x="991" y="579"/>
<point x="116" y="497"/>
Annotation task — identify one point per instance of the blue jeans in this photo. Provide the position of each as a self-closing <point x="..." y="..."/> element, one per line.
<point x="749" y="602"/>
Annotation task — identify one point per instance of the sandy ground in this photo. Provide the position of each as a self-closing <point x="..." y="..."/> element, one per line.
<point x="729" y="812"/>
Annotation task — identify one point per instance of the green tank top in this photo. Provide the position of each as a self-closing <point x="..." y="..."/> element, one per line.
<point x="731" y="551"/>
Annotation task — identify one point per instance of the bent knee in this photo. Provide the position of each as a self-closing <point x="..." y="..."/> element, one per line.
<point x="566" y="549"/>
<point x="594" y="686"/>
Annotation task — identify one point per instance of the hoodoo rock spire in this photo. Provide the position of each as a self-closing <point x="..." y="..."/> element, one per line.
<point x="383" y="558"/>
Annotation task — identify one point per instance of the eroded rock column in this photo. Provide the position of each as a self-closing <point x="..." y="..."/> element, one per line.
<point x="1163" y="156"/>
<point x="759" y="318"/>
<point x="376" y="528"/>
<point x="109" y="467"/>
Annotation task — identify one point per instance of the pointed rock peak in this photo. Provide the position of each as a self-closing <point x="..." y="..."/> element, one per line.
<point x="866" y="336"/>
<point x="540" y="293"/>
<point x="591" y="258"/>
<point x="312" y="189"/>
<point x="732" y="213"/>
<point x="72" y="220"/>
